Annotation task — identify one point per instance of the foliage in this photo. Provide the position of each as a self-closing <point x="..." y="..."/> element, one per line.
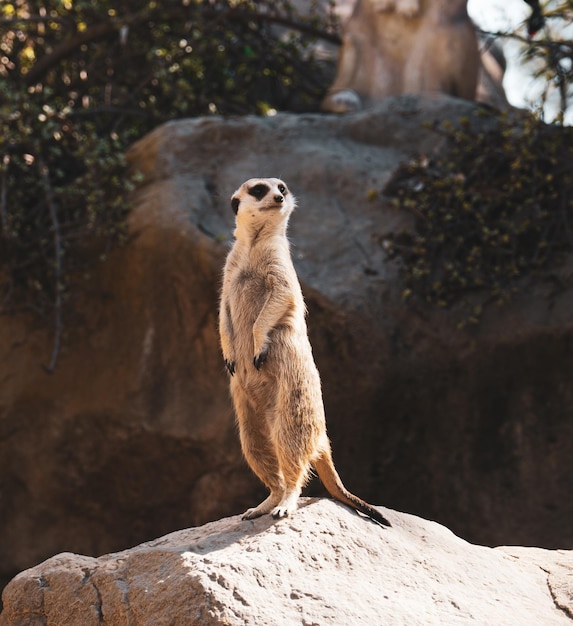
<point x="495" y="205"/>
<point x="546" y="43"/>
<point x="81" y="80"/>
<point x="554" y="54"/>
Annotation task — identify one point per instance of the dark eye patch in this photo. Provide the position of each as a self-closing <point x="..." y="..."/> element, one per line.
<point x="283" y="189"/>
<point x="259" y="191"/>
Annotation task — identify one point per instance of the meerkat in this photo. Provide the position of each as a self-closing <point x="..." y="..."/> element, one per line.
<point x="275" y="384"/>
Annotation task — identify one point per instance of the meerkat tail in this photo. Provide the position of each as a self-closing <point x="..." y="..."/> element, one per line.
<point x="327" y="473"/>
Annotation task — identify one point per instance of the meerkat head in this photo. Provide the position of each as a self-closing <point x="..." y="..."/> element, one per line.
<point x="262" y="201"/>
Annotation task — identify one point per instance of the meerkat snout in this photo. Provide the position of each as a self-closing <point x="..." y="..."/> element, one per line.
<point x="235" y="204"/>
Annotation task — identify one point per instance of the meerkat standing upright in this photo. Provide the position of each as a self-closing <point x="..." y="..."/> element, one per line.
<point x="275" y="385"/>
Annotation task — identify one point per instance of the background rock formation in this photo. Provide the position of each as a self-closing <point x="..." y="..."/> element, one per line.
<point x="325" y="565"/>
<point x="133" y="435"/>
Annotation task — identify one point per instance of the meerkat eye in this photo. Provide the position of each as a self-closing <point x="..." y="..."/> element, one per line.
<point x="258" y="191"/>
<point x="282" y="188"/>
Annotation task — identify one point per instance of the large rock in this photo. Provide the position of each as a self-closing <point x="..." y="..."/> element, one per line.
<point x="133" y="435"/>
<point x="325" y="565"/>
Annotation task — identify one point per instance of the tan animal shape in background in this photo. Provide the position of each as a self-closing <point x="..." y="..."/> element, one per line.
<point x="395" y="47"/>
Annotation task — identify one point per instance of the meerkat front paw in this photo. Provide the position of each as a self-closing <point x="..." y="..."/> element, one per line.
<point x="261" y="357"/>
<point x="260" y="345"/>
<point x="230" y="365"/>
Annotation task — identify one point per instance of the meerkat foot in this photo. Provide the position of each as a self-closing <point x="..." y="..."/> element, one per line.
<point x="282" y="511"/>
<point x="266" y="506"/>
<point x="230" y="365"/>
<point x="287" y="506"/>
<point x="252" y="513"/>
<point x="344" y="101"/>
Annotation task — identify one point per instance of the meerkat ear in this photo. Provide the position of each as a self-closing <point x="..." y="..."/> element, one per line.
<point x="235" y="205"/>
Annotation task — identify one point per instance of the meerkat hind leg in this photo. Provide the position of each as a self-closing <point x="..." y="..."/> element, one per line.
<point x="283" y="499"/>
<point x="295" y="471"/>
<point x="259" y="453"/>
<point x="270" y="502"/>
<point x="295" y="474"/>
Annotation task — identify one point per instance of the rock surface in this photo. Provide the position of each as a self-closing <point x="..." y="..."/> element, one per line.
<point x="133" y="435"/>
<point x="325" y="565"/>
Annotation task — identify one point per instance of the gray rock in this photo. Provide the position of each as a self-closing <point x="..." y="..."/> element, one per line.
<point x="324" y="565"/>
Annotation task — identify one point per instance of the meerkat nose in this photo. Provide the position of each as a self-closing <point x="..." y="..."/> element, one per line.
<point x="279" y="199"/>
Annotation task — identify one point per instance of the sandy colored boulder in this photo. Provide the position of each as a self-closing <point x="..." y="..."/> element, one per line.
<point x="324" y="565"/>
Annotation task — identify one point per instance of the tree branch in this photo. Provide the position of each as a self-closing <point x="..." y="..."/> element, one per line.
<point x="3" y="197"/>
<point x="36" y="73"/>
<point x="45" y="174"/>
<point x="103" y="29"/>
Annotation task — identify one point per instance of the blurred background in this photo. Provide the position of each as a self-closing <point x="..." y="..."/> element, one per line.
<point x="433" y="241"/>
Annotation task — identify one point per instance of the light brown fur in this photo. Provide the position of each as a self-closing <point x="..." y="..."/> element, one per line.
<point x="275" y="385"/>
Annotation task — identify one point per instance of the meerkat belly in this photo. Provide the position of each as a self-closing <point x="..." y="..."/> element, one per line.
<point x="289" y="360"/>
<point x="251" y="295"/>
<point x="244" y="308"/>
<point x="289" y="380"/>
